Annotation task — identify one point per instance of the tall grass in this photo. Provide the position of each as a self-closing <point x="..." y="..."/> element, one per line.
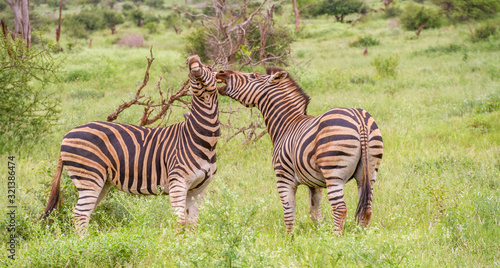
<point x="436" y="200"/>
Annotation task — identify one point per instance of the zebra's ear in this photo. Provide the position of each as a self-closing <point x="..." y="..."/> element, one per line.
<point x="278" y="77"/>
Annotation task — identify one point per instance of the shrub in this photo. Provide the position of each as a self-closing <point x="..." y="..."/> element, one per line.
<point x="152" y="27"/>
<point x="112" y="19"/>
<point x="465" y="9"/>
<point x="154" y="3"/>
<point x="137" y="16"/>
<point x="27" y="108"/>
<point x="365" y="41"/>
<point x="386" y="66"/>
<point x="90" y="20"/>
<point x="195" y="44"/>
<point x="128" y="6"/>
<point x="484" y="31"/>
<point x="392" y="12"/>
<point x="339" y="8"/>
<point x="415" y="15"/>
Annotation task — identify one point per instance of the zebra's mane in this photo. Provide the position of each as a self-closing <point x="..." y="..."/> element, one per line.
<point x="294" y="88"/>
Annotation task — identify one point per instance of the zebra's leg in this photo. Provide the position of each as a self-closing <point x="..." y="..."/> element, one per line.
<point x="104" y="191"/>
<point x="335" y="191"/>
<point x="315" y="203"/>
<point x="178" y="193"/>
<point x="286" y="191"/>
<point x="193" y="205"/>
<point x="88" y="196"/>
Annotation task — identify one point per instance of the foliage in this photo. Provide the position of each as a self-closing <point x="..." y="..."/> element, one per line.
<point x="87" y="20"/>
<point x="3" y="5"/>
<point x="465" y="9"/>
<point x="484" y="31"/>
<point x="196" y="44"/>
<point x="152" y="27"/>
<point x="112" y="19"/>
<point x="365" y="41"/>
<point x="392" y="12"/>
<point x="415" y="15"/>
<point x="386" y="66"/>
<point x="137" y="16"/>
<point x="128" y="6"/>
<point x="339" y="8"/>
<point x="28" y="108"/>
<point x="155" y="3"/>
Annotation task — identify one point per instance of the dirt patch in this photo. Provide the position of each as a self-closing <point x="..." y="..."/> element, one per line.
<point x="132" y="40"/>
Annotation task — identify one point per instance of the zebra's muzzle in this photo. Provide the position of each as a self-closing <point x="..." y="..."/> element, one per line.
<point x="195" y="65"/>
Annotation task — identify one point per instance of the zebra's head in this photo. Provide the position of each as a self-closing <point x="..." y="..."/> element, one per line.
<point x="201" y="77"/>
<point x="247" y="88"/>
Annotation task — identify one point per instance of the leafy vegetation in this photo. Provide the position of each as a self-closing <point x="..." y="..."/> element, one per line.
<point x="339" y="8"/>
<point x="436" y="199"/>
<point x="27" y="107"/>
<point x="415" y="16"/>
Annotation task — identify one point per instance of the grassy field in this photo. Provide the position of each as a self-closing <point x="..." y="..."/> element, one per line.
<point x="436" y="200"/>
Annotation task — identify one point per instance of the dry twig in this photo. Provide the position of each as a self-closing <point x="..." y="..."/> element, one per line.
<point x="149" y="105"/>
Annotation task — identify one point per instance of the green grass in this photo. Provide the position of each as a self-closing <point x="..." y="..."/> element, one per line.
<point x="436" y="200"/>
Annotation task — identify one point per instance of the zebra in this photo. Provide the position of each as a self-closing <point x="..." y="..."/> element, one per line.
<point x="319" y="152"/>
<point x="179" y="160"/>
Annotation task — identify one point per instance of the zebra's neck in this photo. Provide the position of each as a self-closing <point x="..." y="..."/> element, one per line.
<point x="204" y="120"/>
<point x="281" y="111"/>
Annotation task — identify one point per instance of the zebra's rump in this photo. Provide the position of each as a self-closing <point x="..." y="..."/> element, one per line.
<point x="329" y="142"/>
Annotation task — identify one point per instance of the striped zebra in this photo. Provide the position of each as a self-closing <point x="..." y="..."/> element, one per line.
<point x="179" y="160"/>
<point x="319" y="152"/>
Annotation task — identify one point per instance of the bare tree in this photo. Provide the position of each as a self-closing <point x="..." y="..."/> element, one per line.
<point x="231" y="34"/>
<point x="241" y="37"/>
<point x="22" y="26"/>
<point x="298" y="12"/>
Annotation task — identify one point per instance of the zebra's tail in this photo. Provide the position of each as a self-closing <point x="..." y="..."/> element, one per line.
<point x="55" y="192"/>
<point x="365" y="191"/>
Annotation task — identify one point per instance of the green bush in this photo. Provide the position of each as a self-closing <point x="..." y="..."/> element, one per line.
<point x="152" y="27"/>
<point x="3" y="5"/>
<point x="112" y="19"/>
<point x="365" y="41"/>
<point x="415" y="15"/>
<point x="137" y="16"/>
<point x="154" y="3"/>
<point x="484" y="31"/>
<point x="392" y="12"/>
<point x="195" y="44"/>
<point x="386" y="67"/>
<point x="128" y="6"/>
<point x="339" y="8"/>
<point x="460" y="10"/>
<point x="27" y="108"/>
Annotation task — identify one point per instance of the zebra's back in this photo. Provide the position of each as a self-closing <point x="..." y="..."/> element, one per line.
<point x="133" y="158"/>
<point x="331" y="141"/>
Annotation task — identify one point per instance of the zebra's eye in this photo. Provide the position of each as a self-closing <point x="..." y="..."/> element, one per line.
<point x="252" y="76"/>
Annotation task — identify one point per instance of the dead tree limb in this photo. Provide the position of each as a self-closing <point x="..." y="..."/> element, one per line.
<point x="58" y="30"/>
<point x="138" y="95"/>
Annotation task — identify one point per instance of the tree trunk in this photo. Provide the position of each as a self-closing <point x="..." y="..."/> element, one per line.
<point x="58" y="31"/>
<point x="420" y="29"/>
<point x="22" y="26"/>
<point x="297" y="15"/>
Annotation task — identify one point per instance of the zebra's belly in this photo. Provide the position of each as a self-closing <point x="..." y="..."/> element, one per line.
<point x="310" y="177"/>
